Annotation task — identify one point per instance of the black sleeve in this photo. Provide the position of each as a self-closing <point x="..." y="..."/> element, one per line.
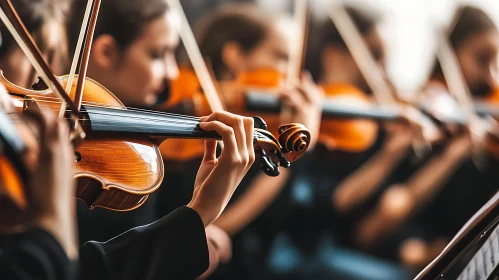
<point x="34" y="254"/>
<point x="173" y="247"/>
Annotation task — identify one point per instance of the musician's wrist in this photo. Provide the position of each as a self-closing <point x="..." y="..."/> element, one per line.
<point x="205" y="212"/>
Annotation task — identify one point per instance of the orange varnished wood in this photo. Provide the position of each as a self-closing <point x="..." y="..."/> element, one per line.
<point x="347" y="135"/>
<point x="11" y="184"/>
<point x="185" y="87"/>
<point x="354" y="135"/>
<point x="116" y="173"/>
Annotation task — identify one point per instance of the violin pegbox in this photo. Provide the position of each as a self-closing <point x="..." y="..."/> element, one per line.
<point x="291" y="144"/>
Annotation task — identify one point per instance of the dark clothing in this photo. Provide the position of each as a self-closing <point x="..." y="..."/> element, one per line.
<point x="102" y="224"/>
<point x="34" y="254"/>
<point x="300" y="235"/>
<point x="173" y="247"/>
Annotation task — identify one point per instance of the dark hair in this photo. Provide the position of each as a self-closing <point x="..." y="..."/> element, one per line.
<point x="469" y="21"/>
<point x="327" y="34"/>
<point x="240" y="23"/>
<point x="124" y="20"/>
<point x="34" y="14"/>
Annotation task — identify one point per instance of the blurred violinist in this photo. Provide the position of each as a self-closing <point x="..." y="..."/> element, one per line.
<point x="419" y="200"/>
<point x="44" y="20"/>
<point x="239" y="40"/>
<point x="44" y="245"/>
<point x="290" y="216"/>
<point x="475" y="40"/>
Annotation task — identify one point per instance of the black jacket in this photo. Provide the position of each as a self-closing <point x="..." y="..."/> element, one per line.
<point x="174" y="247"/>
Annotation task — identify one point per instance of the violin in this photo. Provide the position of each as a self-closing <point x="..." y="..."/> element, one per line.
<point x="344" y="126"/>
<point x="118" y="164"/>
<point x="12" y="169"/>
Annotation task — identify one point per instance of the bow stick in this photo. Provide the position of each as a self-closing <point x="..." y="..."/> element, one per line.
<point x="12" y="21"/>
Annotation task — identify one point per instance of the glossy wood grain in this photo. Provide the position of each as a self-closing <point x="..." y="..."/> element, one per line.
<point x="116" y="173"/>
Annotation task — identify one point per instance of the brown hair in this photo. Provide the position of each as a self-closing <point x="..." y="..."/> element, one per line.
<point x="35" y="15"/>
<point x="124" y="20"/>
<point x="468" y="21"/>
<point x="240" y="23"/>
<point x="327" y="34"/>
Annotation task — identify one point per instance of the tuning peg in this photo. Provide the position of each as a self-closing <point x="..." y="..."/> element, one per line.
<point x="267" y="165"/>
<point x="259" y="123"/>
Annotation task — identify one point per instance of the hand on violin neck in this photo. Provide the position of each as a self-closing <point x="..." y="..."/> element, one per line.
<point x="305" y="99"/>
<point x="218" y="178"/>
<point x="413" y="130"/>
<point x="399" y="138"/>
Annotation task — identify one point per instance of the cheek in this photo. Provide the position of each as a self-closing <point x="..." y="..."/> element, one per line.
<point x="261" y="60"/>
<point x="129" y="82"/>
<point x="471" y="70"/>
<point x="18" y="72"/>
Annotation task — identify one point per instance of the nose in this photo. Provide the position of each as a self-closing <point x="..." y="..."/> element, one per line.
<point x="493" y="76"/>
<point x="171" y="69"/>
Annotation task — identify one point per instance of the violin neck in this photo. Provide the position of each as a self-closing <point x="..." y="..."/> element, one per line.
<point x="147" y="123"/>
<point x="261" y="102"/>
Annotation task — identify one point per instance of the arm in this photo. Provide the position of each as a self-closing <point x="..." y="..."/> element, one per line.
<point x="174" y="247"/>
<point x="35" y="254"/>
<point x="357" y="187"/>
<point x="305" y="100"/>
<point x="260" y="194"/>
<point x="400" y="201"/>
<point x="46" y="246"/>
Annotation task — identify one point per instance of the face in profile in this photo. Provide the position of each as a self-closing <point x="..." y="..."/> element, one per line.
<point x="478" y="57"/>
<point x="271" y="53"/>
<point x="339" y="66"/>
<point x="145" y="67"/>
<point x="18" y="69"/>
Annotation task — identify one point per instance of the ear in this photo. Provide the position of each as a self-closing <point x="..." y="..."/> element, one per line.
<point x="105" y="51"/>
<point x="232" y="56"/>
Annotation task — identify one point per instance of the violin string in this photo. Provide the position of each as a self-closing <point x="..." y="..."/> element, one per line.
<point x="95" y="104"/>
<point x="256" y="134"/>
<point x="174" y="118"/>
<point x="130" y="109"/>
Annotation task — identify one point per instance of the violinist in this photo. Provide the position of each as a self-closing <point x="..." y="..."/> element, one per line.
<point x="137" y="63"/>
<point x="44" y="20"/>
<point x="447" y="176"/>
<point x="33" y="248"/>
<point x="174" y="246"/>
<point x="46" y="246"/>
<point x="240" y="38"/>
<point x="290" y="216"/>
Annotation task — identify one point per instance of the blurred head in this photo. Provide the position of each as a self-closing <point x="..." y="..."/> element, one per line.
<point x="44" y="21"/>
<point x="238" y="38"/>
<point x="475" y="39"/>
<point x="133" y="51"/>
<point x="330" y="60"/>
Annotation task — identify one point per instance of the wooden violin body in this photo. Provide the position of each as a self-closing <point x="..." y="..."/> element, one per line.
<point x="112" y="172"/>
<point x="119" y="163"/>
<point x="252" y="92"/>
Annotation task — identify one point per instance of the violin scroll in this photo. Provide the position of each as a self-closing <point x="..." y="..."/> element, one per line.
<point x="295" y="139"/>
<point x="291" y="144"/>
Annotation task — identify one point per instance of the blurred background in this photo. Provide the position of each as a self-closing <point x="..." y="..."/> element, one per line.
<point x="409" y="27"/>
